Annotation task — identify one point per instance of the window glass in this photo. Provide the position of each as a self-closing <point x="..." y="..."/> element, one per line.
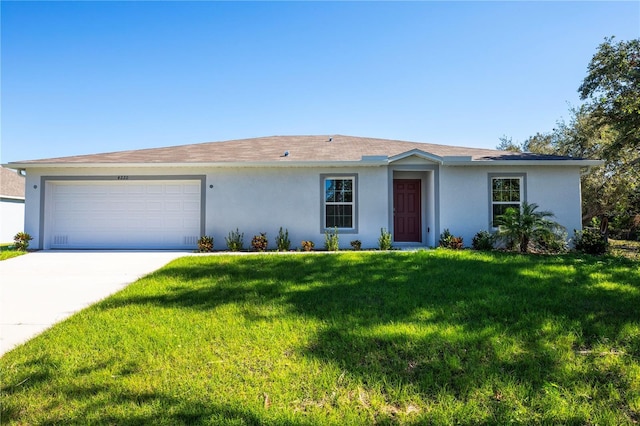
<point x="339" y="202"/>
<point x="505" y="192"/>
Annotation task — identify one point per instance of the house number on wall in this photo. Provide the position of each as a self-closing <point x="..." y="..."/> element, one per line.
<point x="123" y="177"/>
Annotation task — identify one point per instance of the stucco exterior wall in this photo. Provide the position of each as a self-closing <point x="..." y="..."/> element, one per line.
<point x="258" y="200"/>
<point x="253" y="200"/>
<point x="263" y="200"/>
<point x="465" y="196"/>
<point x="11" y="219"/>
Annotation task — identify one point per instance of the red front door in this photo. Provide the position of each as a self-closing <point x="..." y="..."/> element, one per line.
<point x="406" y="210"/>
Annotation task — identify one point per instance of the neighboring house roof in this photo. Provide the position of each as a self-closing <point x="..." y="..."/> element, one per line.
<point x="299" y="149"/>
<point x="11" y="184"/>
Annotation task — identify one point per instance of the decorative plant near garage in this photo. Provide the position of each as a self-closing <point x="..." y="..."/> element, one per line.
<point x="282" y="240"/>
<point x="21" y="241"/>
<point x="260" y="242"/>
<point x="235" y="240"/>
<point x="205" y="244"/>
<point x="307" y="245"/>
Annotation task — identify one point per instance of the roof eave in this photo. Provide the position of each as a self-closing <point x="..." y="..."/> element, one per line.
<point x="373" y="161"/>
<point x="494" y="163"/>
<point x="254" y="164"/>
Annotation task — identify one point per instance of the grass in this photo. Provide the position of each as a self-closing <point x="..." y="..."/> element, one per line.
<point x="7" y="251"/>
<point x="432" y="337"/>
<point x="625" y="248"/>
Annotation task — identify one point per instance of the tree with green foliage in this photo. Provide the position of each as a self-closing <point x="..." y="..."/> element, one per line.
<point x="612" y="87"/>
<point x="507" y="144"/>
<point x="518" y="227"/>
<point x="606" y="127"/>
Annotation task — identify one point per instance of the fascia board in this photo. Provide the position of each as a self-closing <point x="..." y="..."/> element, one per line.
<point x="498" y="163"/>
<point x="276" y="164"/>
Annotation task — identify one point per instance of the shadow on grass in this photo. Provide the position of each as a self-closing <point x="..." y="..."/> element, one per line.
<point x="161" y="408"/>
<point x="431" y="321"/>
<point x="529" y="299"/>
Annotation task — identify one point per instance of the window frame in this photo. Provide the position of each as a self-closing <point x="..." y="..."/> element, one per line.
<point x="522" y="177"/>
<point x="324" y="203"/>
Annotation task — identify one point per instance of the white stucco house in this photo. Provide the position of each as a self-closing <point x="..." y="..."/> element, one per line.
<point x="166" y="198"/>
<point x="11" y="204"/>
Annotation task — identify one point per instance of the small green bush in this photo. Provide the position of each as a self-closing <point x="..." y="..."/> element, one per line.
<point x="21" y="241"/>
<point x="356" y="245"/>
<point x="282" y="240"/>
<point x="384" y="241"/>
<point x="483" y="240"/>
<point x="235" y="240"/>
<point x="307" y="245"/>
<point x="457" y="243"/>
<point x="205" y="244"/>
<point x="331" y="241"/>
<point x="260" y="242"/>
<point x="590" y="241"/>
<point x="554" y="242"/>
<point x="447" y="240"/>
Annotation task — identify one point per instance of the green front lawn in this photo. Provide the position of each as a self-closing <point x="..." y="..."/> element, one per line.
<point x="437" y="337"/>
<point x="7" y="251"/>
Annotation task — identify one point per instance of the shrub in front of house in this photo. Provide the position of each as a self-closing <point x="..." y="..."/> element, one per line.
<point x="590" y="241"/>
<point x="235" y="240"/>
<point x="356" y="245"/>
<point x="554" y="242"/>
<point x="282" y="240"/>
<point x="307" y="245"/>
<point x="520" y="227"/>
<point x="260" y="242"/>
<point x="483" y="240"/>
<point x="21" y="241"/>
<point x="331" y="240"/>
<point x="448" y="240"/>
<point x="445" y="238"/>
<point x="384" y="241"/>
<point x="205" y="244"/>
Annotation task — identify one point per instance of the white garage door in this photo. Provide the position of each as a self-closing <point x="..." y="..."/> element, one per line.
<point x="131" y="214"/>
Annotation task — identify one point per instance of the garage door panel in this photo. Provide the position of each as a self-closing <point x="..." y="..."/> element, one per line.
<point x="136" y="189"/>
<point x="174" y="189"/>
<point x="191" y="206"/>
<point x="127" y="214"/>
<point x="191" y="190"/>
<point x="154" y="190"/>
<point x="156" y="206"/>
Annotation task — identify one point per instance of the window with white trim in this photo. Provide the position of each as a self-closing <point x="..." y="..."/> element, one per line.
<point x="339" y="202"/>
<point x="506" y="191"/>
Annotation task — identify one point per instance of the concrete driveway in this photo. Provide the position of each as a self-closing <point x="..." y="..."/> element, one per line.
<point x="40" y="289"/>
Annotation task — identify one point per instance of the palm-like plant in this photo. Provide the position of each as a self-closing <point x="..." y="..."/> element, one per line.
<point x="520" y="226"/>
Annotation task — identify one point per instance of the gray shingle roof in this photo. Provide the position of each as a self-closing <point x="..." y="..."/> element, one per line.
<point x="323" y="148"/>
<point x="11" y="183"/>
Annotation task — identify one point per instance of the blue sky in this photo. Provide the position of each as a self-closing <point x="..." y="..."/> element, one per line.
<point x="88" y="77"/>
